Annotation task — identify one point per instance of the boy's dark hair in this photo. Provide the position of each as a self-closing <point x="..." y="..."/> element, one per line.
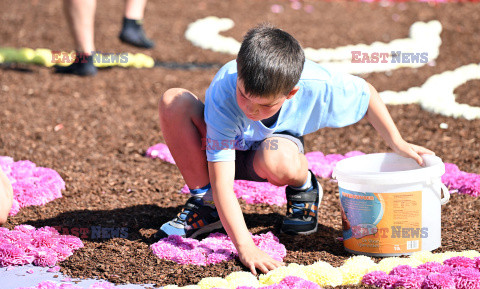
<point x="270" y="61"/>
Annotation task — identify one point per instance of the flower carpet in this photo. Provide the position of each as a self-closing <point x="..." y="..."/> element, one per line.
<point x="93" y="133"/>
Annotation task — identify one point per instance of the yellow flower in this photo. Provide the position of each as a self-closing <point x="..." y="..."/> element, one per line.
<point x="386" y="265"/>
<point x="211" y="282"/>
<point x="422" y="256"/>
<point x="236" y="279"/>
<point x="470" y="254"/>
<point x="171" y="287"/>
<point x="323" y="274"/>
<point x="354" y="268"/>
<point x="277" y="275"/>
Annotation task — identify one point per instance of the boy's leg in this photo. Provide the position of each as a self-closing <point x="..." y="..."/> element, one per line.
<point x="282" y="162"/>
<point x="183" y="128"/>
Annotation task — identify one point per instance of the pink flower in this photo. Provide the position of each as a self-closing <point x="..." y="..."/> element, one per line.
<point x="465" y="183"/>
<point x="211" y="250"/>
<point x="27" y="229"/>
<point x="435" y="267"/>
<point x="438" y="281"/>
<point x="297" y="282"/>
<point x="409" y="281"/>
<point x="160" y="151"/>
<point x="466" y="278"/>
<point x="12" y="255"/>
<point x="402" y="270"/>
<point x="63" y="252"/>
<point x="54" y="269"/>
<point x="477" y="262"/>
<point x="74" y="243"/>
<point x="42" y="247"/>
<point x="44" y="239"/>
<point x="47" y="285"/>
<point x="31" y="185"/>
<point x="387" y="282"/>
<point x="372" y="278"/>
<point x="460" y="261"/>
<point x="45" y="257"/>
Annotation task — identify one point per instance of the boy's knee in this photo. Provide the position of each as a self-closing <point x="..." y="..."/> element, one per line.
<point x="282" y="165"/>
<point x="170" y="98"/>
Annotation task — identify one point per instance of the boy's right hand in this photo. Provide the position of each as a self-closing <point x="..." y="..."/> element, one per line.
<point x="252" y="257"/>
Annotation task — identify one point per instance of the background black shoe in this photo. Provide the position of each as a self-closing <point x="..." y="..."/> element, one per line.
<point x="83" y="66"/>
<point x="132" y="33"/>
<point x="302" y="209"/>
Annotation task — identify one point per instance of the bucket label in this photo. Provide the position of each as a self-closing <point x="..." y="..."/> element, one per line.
<point x="382" y="223"/>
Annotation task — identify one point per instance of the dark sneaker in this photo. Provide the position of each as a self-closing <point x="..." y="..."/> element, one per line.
<point x="302" y="209"/>
<point x="136" y="37"/>
<point x="81" y="66"/>
<point x="194" y="219"/>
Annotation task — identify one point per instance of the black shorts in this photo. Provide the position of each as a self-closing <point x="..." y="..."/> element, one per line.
<point x="244" y="159"/>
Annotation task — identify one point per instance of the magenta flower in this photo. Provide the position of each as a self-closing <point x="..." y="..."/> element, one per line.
<point x="409" y="281"/>
<point x="72" y="242"/>
<point x="372" y="278"/>
<point x="28" y="229"/>
<point x="42" y="247"/>
<point x="438" y="281"/>
<point x="214" y="249"/>
<point x="477" y="263"/>
<point x="466" y="278"/>
<point x="45" y="257"/>
<point x="160" y="151"/>
<point x="435" y="267"/>
<point x="465" y="183"/>
<point x="402" y="270"/>
<point x="32" y="185"/>
<point x="295" y="282"/>
<point x="460" y="262"/>
<point x="12" y="255"/>
<point x="386" y="282"/>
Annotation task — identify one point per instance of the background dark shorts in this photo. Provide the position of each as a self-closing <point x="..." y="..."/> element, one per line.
<point x="244" y="159"/>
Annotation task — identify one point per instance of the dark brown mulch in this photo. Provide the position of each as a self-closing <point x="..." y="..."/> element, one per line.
<point x="109" y="121"/>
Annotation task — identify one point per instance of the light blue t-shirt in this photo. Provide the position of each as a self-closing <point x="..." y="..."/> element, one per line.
<point x="325" y="99"/>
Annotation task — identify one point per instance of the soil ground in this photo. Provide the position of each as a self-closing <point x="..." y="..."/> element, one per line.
<point x="109" y="122"/>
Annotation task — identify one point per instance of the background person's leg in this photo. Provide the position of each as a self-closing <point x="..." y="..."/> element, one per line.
<point x="132" y="29"/>
<point x="81" y="20"/>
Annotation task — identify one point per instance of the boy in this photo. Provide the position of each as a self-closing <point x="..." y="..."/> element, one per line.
<point x="269" y="96"/>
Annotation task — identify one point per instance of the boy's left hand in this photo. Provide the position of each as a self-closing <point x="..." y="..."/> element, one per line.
<point x="409" y="150"/>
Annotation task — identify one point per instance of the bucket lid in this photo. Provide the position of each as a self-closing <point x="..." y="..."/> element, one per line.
<point x="387" y="169"/>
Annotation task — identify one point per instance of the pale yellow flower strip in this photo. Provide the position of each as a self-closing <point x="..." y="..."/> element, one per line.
<point x="324" y="274"/>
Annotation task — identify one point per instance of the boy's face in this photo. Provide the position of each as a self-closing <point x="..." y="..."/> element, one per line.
<point x="258" y="108"/>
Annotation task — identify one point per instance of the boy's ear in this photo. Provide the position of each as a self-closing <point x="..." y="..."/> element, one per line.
<point x="293" y="92"/>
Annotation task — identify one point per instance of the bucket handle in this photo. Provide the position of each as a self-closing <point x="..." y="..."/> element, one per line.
<point x="446" y="195"/>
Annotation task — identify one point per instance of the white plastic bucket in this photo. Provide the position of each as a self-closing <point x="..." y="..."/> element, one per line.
<point x="390" y="205"/>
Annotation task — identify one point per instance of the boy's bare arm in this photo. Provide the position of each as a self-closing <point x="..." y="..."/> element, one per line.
<point x="222" y="175"/>
<point x="379" y="117"/>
